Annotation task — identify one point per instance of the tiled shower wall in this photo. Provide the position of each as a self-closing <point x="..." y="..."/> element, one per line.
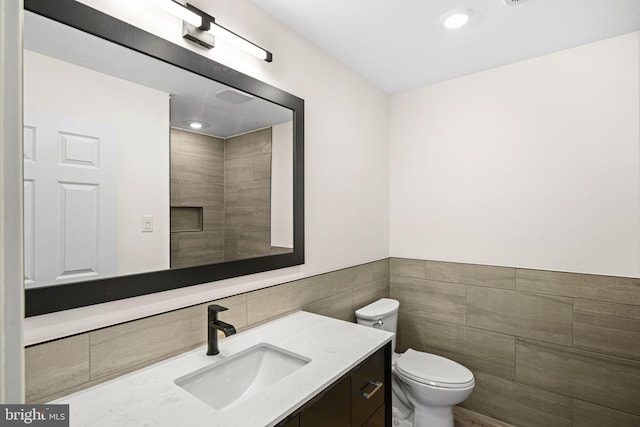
<point x="228" y="183"/>
<point x="247" y="195"/>
<point x="60" y="367"/>
<point x="546" y="348"/>
<point x="197" y="182"/>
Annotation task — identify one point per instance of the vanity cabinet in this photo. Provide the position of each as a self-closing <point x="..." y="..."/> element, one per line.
<point x="292" y="422"/>
<point x="331" y="409"/>
<point x="367" y="389"/>
<point x="361" y="398"/>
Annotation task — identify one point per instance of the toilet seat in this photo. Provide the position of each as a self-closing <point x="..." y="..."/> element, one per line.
<point x="433" y="370"/>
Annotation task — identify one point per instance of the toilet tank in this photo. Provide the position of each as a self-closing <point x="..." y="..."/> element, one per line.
<point x="382" y="314"/>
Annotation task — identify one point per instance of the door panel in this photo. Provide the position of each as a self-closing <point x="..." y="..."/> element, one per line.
<point x="70" y="199"/>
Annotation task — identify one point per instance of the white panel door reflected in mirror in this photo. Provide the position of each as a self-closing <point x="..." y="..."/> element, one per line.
<point x="70" y="179"/>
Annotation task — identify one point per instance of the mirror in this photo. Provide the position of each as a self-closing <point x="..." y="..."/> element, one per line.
<point x="122" y="197"/>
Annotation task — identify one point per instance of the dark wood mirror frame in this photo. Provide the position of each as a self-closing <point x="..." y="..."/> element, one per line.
<point x="80" y="294"/>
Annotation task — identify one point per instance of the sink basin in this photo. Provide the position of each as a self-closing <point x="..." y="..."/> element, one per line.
<point x="242" y="375"/>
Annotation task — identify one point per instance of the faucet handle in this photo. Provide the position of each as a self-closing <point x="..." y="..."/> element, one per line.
<point x="215" y="308"/>
<point x="213" y="311"/>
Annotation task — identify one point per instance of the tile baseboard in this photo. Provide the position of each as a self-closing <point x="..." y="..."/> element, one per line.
<point x="466" y="418"/>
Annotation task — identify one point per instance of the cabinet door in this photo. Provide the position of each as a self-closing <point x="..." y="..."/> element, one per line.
<point x="367" y="389"/>
<point x="331" y="410"/>
<point x="377" y="419"/>
<point x="293" y="422"/>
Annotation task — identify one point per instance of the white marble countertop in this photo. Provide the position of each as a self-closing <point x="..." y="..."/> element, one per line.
<point x="149" y="396"/>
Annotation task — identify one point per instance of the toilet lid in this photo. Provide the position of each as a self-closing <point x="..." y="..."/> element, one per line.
<point x="433" y="370"/>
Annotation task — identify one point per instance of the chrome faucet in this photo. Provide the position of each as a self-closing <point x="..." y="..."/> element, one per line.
<point x="213" y="326"/>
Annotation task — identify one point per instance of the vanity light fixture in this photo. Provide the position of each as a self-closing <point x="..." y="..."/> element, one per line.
<point x="456" y="18"/>
<point x="178" y="10"/>
<point x="201" y="28"/>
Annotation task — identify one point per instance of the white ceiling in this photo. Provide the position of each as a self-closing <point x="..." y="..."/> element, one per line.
<point x="400" y="44"/>
<point x="193" y="97"/>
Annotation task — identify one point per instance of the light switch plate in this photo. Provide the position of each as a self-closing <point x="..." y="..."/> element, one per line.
<point x="147" y="223"/>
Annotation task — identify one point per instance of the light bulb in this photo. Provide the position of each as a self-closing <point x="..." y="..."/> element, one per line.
<point x="239" y="42"/>
<point x="456" y="18"/>
<point x="456" y="21"/>
<point x="177" y="9"/>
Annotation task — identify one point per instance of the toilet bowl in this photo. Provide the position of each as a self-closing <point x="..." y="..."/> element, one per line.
<point x="425" y="386"/>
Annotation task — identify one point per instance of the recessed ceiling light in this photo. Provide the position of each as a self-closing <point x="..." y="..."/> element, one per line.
<point x="195" y="125"/>
<point x="456" y="18"/>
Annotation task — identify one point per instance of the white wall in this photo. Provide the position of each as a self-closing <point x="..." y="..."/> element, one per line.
<point x="534" y="164"/>
<point x="143" y="147"/>
<point x="346" y="160"/>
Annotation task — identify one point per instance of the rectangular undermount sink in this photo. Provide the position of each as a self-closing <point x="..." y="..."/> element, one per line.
<point x="242" y="375"/>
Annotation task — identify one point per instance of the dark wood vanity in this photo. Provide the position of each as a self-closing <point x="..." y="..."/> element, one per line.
<point x="360" y="398"/>
<point x="318" y="371"/>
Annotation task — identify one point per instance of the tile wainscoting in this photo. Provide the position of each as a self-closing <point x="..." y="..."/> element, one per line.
<point x="59" y="367"/>
<point x="547" y="348"/>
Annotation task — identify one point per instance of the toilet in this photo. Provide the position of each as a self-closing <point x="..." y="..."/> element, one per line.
<point x="425" y="386"/>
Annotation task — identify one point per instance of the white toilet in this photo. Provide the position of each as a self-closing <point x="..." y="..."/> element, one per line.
<point x="425" y="386"/>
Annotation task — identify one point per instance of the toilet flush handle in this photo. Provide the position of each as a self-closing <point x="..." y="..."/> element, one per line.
<point x="378" y="323"/>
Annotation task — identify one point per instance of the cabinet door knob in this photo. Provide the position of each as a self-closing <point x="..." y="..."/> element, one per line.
<point x="367" y="391"/>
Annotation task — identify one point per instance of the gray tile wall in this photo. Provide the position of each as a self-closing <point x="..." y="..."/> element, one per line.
<point x="230" y="180"/>
<point x="60" y="367"/>
<point x="547" y="348"/>
<point x="509" y="326"/>
<point x="197" y="180"/>
<point x="247" y="196"/>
